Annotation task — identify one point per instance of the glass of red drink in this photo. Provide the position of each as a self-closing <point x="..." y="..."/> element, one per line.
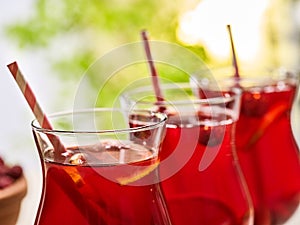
<point x="200" y="174"/>
<point x="108" y="171"/>
<point x="265" y="142"/>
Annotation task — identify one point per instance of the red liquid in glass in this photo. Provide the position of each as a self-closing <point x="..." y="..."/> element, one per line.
<point x="81" y="195"/>
<point x="213" y="196"/>
<point x="268" y="152"/>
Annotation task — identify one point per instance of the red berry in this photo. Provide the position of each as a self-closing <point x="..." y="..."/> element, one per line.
<point x="143" y="135"/>
<point x="254" y="104"/>
<point x="3" y="169"/>
<point x="1" y="161"/>
<point x="15" y="172"/>
<point x="211" y="136"/>
<point x="5" y="181"/>
<point x="140" y="134"/>
<point x="8" y="174"/>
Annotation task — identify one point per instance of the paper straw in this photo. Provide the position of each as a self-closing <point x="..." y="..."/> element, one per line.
<point x="154" y="75"/>
<point x="234" y="60"/>
<point x="35" y="107"/>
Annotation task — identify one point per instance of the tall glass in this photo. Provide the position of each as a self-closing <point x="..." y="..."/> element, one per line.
<point x="200" y="174"/>
<point x="265" y="142"/>
<point x="108" y="173"/>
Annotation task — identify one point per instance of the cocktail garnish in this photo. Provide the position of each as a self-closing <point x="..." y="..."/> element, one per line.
<point x="137" y="176"/>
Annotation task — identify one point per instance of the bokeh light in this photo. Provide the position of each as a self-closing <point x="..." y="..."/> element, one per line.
<point x="206" y="25"/>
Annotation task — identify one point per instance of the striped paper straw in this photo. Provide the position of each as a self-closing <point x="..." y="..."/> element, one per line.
<point x="35" y="107"/>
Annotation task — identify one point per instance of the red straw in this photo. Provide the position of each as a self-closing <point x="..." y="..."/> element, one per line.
<point x="154" y="75"/>
<point x="235" y="64"/>
<point x="35" y="107"/>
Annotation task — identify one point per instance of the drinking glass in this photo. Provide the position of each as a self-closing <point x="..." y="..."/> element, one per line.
<point x="200" y="174"/>
<point x="265" y="143"/>
<point x="108" y="171"/>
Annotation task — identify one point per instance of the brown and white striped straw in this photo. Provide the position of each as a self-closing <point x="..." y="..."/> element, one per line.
<point x="35" y="107"/>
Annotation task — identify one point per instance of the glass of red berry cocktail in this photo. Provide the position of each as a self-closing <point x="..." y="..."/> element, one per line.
<point x="265" y="143"/>
<point x="200" y="175"/>
<point x="108" y="171"/>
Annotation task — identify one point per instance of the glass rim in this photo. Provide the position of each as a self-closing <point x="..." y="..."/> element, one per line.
<point x="274" y="74"/>
<point x="162" y="116"/>
<point x="231" y="95"/>
<point x="275" y="77"/>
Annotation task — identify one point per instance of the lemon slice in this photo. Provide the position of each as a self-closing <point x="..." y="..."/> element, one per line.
<point x="138" y="175"/>
<point x="267" y="120"/>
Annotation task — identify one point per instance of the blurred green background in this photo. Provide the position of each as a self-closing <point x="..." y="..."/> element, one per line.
<point x="73" y="34"/>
